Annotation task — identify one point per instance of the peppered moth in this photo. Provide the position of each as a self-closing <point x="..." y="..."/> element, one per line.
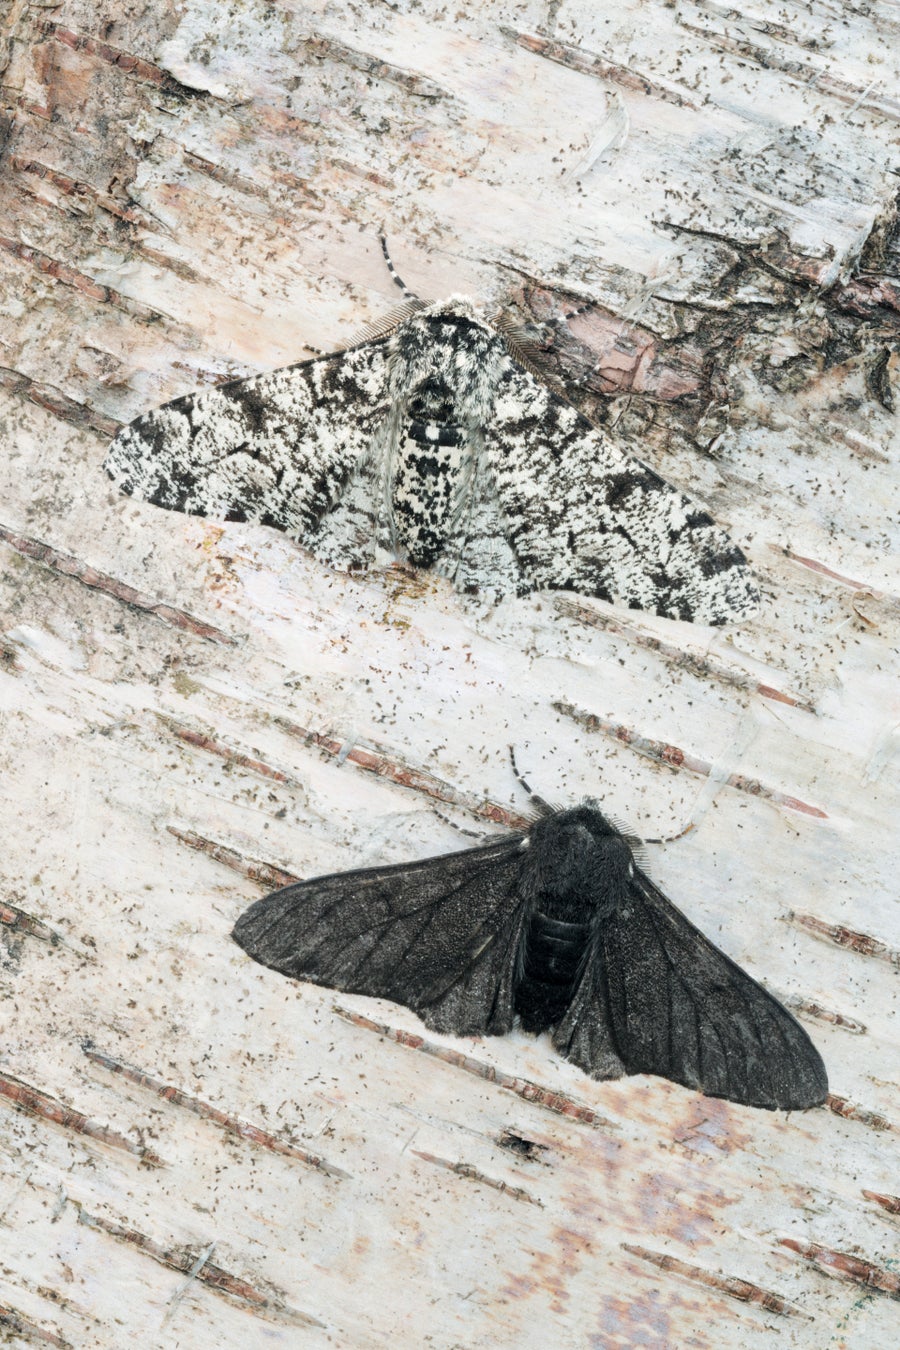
<point x="560" y="927"/>
<point x="436" y="440"/>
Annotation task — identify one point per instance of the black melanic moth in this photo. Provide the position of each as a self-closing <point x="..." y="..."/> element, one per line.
<point x="435" y="440"/>
<point x="559" y="927"/>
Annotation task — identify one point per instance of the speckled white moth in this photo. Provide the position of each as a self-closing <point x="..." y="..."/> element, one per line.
<point x="435" y="439"/>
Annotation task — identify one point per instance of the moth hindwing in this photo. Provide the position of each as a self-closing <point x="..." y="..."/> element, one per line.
<point x="433" y="442"/>
<point x="561" y="929"/>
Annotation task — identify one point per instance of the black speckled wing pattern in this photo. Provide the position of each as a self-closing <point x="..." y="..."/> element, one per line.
<point x="275" y="449"/>
<point x="586" y="517"/>
<point x="434" y="444"/>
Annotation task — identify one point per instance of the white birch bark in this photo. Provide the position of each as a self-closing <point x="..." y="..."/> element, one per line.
<point x="195" y="1151"/>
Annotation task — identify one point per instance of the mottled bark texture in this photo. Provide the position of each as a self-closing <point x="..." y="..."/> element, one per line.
<point x="193" y="1149"/>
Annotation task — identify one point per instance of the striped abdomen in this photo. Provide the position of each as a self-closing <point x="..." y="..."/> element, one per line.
<point x="554" y="950"/>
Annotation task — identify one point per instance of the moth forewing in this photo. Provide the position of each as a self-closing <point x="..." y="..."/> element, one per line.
<point x="562" y="930"/>
<point x="432" y="440"/>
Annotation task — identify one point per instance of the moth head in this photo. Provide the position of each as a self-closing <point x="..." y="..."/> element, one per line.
<point x="614" y="825"/>
<point x="456" y="307"/>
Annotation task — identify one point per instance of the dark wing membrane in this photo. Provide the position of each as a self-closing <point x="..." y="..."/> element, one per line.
<point x="682" y="1009"/>
<point x="276" y="449"/>
<point x="582" y="516"/>
<point x="442" y="936"/>
<point x="585" y="1034"/>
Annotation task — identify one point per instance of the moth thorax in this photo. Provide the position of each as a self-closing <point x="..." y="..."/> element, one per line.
<point x="578" y="873"/>
<point x="428" y="473"/>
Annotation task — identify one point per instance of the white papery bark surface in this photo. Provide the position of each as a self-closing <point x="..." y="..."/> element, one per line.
<point x="196" y="193"/>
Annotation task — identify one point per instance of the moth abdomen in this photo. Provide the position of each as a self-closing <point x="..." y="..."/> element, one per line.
<point x="425" y="491"/>
<point x="436" y="433"/>
<point x="553" y="958"/>
<point x="554" y="949"/>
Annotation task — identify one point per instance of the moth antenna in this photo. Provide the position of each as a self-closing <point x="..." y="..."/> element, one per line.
<point x="639" y="854"/>
<point x="636" y="842"/>
<point x="316" y="351"/>
<point x="472" y="834"/>
<point x="670" y="839"/>
<point x="387" y="323"/>
<point x="542" y="807"/>
<point x="511" y="330"/>
<point x="525" y="350"/>
<point x="572" y="314"/>
<point x="619" y="824"/>
<point x="522" y="347"/>
<point x="410" y="295"/>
